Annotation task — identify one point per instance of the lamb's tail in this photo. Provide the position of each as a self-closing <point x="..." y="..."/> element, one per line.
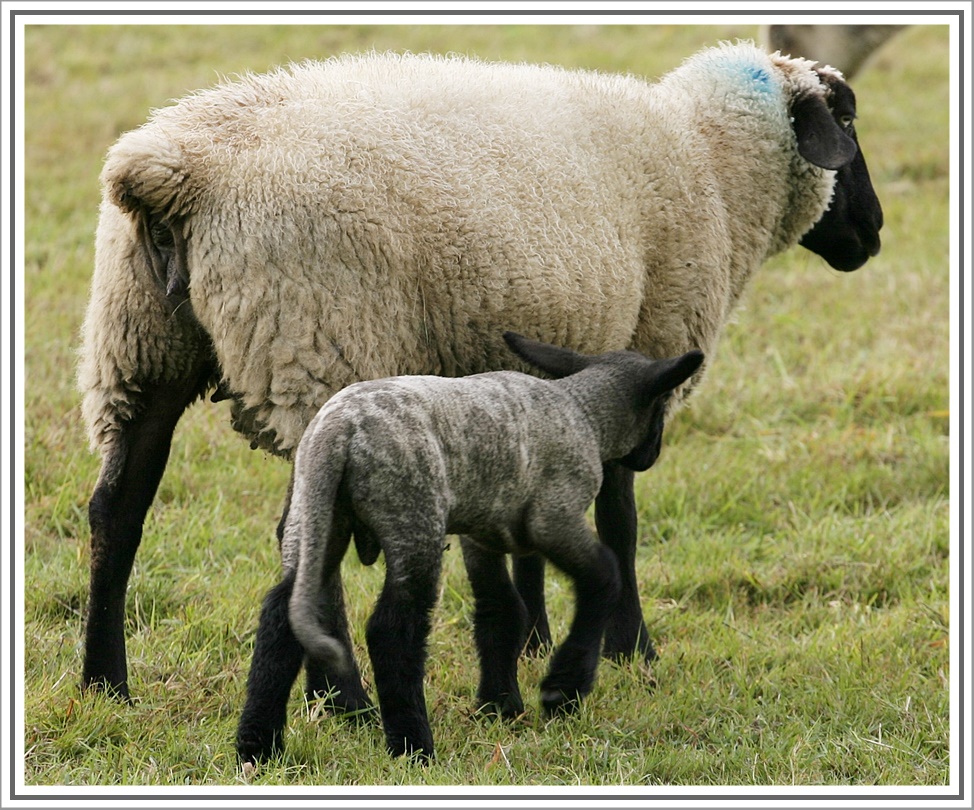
<point x="310" y="533"/>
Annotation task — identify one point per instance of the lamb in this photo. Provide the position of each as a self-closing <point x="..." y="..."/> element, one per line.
<point x="509" y="461"/>
<point x="276" y="239"/>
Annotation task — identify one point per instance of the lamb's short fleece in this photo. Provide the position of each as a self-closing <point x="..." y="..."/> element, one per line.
<point x="509" y="460"/>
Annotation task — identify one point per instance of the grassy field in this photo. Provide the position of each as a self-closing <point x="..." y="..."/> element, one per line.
<point x="794" y="538"/>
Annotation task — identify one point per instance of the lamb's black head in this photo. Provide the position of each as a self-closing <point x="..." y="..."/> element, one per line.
<point x="847" y="235"/>
<point x="647" y="386"/>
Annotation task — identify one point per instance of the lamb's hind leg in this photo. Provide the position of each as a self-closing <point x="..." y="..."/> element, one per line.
<point x="342" y="692"/>
<point x="615" y="519"/>
<point x="132" y="467"/>
<point x="595" y="572"/>
<point x="396" y="634"/>
<point x="499" y="624"/>
<point x="275" y="665"/>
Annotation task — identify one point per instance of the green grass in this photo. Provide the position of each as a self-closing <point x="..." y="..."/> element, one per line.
<point x="794" y="538"/>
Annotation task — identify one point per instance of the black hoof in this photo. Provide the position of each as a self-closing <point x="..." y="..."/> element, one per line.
<point x="538" y="642"/>
<point x="507" y="707"/>
<point x="359" y="711"/>
<point x="559" y="702"/>
<point x="419" y="752"/>
<point x="256" y="747"/>
<point x="631" y="647"/>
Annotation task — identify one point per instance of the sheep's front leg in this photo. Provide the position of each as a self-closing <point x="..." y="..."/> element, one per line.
<point x="396" y="634"/>
<point x="499" y="623"/>
<point x="615" y="519"/>
<point x="132" y="467"/>
<point x="595" y="572"/>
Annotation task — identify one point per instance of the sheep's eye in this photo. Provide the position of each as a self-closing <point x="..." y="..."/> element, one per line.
<point x="846" y="120"/>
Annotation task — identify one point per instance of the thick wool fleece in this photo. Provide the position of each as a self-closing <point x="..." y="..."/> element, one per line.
<point x="377" y="215"/>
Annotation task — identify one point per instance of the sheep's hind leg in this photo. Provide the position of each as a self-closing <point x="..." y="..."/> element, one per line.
<point x="396" y="634"/>
<point x="131" y="469"/>
<point x="615" y="519"/>
<point x="595" y="573"/>
<point x="499" y="623"/>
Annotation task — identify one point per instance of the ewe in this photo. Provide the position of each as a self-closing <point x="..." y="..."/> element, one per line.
<point x="286" y="235"/>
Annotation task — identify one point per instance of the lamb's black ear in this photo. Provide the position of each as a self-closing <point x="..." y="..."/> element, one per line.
<point x="821" y="140"/>
<point x="665" y="375"/>
<point x="553" y="360"/>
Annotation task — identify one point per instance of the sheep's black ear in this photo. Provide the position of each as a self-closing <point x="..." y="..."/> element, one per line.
<point x="665" y="375"/>
<point x="553" y="360"/>
<point x="821" y="140"/>
<point x="165" y="246"/>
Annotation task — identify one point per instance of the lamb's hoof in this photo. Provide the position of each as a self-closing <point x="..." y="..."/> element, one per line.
<point x="559" y="701"/>
<point x="254" y="748"/>
<point x="359" y="711"/>
<point x="538" y="642"/>
<point x="507" y="707"/>
<point x="420" y="753"/>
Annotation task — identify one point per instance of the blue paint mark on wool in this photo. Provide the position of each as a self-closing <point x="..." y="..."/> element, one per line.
<point x="740" y="72"/>
<point x="760" y="78"/>
<point x="755" y="77"/>
<point x="741" y="65"/>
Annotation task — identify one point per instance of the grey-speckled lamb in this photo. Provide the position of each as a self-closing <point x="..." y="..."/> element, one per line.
<point x="286" y="235"/>
<point x="508" y="460"/>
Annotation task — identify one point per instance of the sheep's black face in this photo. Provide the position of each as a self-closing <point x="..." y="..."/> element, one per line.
<point x="847" y="235"/>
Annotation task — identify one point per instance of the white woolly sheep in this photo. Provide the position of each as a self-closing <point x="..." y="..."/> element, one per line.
<point x="286" y="235"/>
<point x="507" y="460"/>
<point x="844" y="47"/>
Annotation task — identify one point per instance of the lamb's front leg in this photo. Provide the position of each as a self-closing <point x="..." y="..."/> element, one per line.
<point x="595" y="572"/>
<point x="615" y="519"/>
<point x="396" y="635"/>
<point x="499" y="629"/>
<point x="529" y="581"/>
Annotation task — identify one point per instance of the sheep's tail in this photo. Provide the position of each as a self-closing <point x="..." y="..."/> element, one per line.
<point x="310" y="533"/>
